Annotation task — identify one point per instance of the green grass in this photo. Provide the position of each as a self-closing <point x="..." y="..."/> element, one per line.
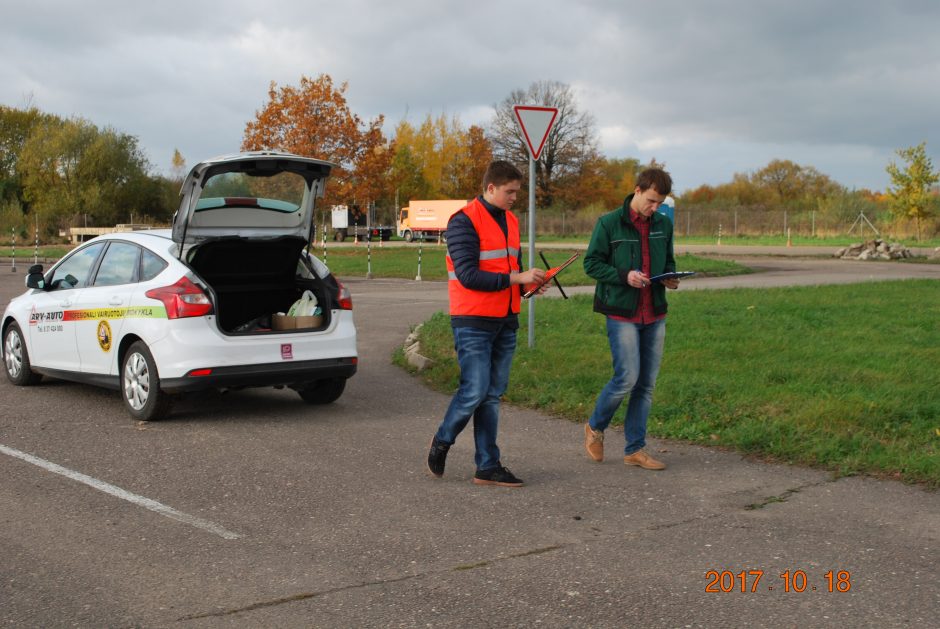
<point x="402" y="262"/>
<point x="841" y="377"/>
<point x="25" y="254"/>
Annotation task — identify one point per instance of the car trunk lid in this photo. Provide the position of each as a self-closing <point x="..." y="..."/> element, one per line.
<point x="257" y="195"/>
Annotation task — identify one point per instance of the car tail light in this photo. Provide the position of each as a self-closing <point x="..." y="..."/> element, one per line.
<point x="343" y="296"/>
<point x="182" y="299"/>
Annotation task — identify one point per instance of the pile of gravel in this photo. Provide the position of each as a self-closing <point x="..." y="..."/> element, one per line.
<point x="874" y="250"/>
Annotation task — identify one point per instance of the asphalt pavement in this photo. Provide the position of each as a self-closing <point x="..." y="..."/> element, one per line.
<point x="338" y="524"/>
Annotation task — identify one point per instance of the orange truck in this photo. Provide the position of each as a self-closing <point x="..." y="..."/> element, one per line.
<point x="427" y="219"/>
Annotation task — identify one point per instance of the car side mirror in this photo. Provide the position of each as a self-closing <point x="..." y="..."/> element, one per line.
<point x="35" y="280"/>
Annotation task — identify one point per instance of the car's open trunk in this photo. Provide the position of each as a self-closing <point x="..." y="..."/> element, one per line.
<point x="253" y="279"/>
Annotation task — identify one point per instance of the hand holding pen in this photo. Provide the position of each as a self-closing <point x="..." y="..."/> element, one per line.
<point x="637" y="279"/>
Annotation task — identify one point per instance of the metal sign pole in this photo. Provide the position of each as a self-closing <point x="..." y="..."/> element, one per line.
<point x="531" y="302"/>
<point x="535" y="123"/>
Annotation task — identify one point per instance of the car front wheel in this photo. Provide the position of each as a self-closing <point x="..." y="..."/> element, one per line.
<point x="140" y="384"/>
<point x="16" y="358"/>
<point x="322" y="391"/>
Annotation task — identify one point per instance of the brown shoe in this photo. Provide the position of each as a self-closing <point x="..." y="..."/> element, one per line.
<point x="641" y="458"/>
<point x="594" y="443"/>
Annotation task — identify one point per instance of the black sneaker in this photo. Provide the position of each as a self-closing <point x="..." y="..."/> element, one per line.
<point x="437" y="456"/>
<point x="498" y="475"/>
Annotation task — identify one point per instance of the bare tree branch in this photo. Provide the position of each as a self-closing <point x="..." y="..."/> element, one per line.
<point x="571" y="141"/>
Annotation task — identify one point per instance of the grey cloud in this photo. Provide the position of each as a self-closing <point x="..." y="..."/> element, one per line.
<point x="833" y="80"/>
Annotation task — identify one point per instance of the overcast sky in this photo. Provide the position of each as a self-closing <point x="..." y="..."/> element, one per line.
<point x="711" y="88"/>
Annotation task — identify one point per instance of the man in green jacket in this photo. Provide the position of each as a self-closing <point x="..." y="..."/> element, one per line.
<point x="628" y="247"/>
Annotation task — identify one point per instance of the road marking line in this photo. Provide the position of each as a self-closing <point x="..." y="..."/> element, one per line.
<point x="123" y="494"/>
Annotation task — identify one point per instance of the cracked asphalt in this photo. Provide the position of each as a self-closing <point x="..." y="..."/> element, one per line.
<point x="341" y="526"/>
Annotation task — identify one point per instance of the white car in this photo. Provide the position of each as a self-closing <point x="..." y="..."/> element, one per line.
<point x="158" y="312"/>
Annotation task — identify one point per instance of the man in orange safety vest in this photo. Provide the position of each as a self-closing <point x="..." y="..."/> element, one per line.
<point x="485" y="284"/>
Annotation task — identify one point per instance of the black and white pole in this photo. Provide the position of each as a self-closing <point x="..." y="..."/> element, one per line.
<point x="323" y="238"/>
<point x="36" y="253"/>
<point x="13" y="255"/>
<point x="368" y="258"/>
<point x="418" y="276"/>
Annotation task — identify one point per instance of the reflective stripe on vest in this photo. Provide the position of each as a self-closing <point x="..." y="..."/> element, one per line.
<point x="496" y="256"/>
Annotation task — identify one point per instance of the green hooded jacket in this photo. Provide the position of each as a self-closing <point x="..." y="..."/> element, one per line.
<point x="615" y="250"/>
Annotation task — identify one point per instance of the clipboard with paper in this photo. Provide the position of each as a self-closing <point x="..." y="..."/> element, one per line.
<point x="550" y="276"/>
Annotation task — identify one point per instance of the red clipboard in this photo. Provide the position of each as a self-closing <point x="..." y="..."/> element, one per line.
<point x="550" y="274"/>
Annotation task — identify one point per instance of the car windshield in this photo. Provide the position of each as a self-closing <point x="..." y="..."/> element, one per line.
<point x="280" y="192"/>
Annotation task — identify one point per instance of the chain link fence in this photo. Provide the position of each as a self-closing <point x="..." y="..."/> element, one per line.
<point x="706" y="222"/>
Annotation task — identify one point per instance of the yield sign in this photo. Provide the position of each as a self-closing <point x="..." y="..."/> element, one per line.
<point x="535" y="123"/>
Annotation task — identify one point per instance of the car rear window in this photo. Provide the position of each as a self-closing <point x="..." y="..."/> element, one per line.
<point x="282" y="192"/>
<point x="151" y="265"/>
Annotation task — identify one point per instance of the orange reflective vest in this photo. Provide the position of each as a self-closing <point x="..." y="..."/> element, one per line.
<point x="498" y="254"/>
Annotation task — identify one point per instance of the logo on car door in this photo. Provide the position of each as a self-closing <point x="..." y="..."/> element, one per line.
<point x="104" y="335"/>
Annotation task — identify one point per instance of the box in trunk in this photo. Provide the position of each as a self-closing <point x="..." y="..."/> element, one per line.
<point x="284" y="322"/>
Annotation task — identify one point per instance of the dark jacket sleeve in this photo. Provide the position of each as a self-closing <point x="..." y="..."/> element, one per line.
<point x="463" y="246"/>
<point x="670" y="253"/>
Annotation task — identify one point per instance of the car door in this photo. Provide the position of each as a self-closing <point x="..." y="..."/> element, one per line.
<point x="52" y="320"/>
<point x="101" y="307"/>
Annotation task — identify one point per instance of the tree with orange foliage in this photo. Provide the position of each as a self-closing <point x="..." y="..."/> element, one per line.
<point x="314" y="120"/>
<point x="478" y="153"/>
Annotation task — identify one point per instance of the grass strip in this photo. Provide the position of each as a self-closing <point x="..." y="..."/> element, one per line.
<point x="402" y="262"/>
<point x="842" y="377"/>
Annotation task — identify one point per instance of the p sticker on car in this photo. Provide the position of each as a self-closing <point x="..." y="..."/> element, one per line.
<point x="287" y="351"/>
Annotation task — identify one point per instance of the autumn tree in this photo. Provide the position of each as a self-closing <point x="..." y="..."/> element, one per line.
<point x="477" y="154"/>
<point x="439" y="159"/>
<point x="178" y="166"/>
<point x="571" y="142"/>
<point x="370" y="177"/>
<point x="790" y="183"/>
<point x="909" y="194"/>
<point x="314" y="119"/>
<point x="778" y="185"/>
<point x="406" y="176"/>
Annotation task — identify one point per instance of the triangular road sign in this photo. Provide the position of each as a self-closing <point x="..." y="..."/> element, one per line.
<point x="535" y="123"/>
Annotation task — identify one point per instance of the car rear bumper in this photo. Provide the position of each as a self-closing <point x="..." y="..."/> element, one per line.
<point x="270" y="374"/>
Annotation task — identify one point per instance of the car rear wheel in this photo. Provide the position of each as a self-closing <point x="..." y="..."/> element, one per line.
<point x="140" y="384"/>
<point x="16" y="358"/>
<point x="322" y="391"/>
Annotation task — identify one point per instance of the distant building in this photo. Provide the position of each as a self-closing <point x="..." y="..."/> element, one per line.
<point x="79" y="235"/>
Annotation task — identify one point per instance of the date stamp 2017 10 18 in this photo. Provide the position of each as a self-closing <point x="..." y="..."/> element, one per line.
<point x="793" y="581"/>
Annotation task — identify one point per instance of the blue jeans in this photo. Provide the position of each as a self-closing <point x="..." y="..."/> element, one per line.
<point x="636" y="350"/>
<point x="484" y="358"/>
